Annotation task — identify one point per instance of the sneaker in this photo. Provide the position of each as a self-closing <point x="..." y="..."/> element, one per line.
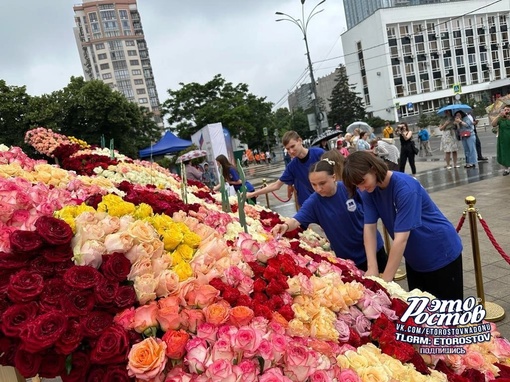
<point x="506" y="172"/>
<point x="483" y="159"/>
<point x="457" y="166"/>
<point x="448" y="167"/>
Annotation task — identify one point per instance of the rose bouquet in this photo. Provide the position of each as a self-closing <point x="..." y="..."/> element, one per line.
<point x="131" y="283"/>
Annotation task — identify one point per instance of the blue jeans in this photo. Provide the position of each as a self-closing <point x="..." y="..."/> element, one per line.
<point x="469" y="145"/>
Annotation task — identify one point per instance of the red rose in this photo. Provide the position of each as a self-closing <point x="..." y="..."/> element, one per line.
<point x="27" y="363"/>
<point x="54" y="290"/>
<point x="116" y="267"/>
<point x="231" y="295"/>
<point x="5" y="277"/>
<point x="420" y="365"/>
<point x="25" y="242"/>
<point x="78" y="303"/>
<point x="259" y="285"/>
<point x="8" y="348"/>
<point x="275" y="302"/>
<point x="106" y="291"/>
<point x="79" y="366"/>
<point x="82" y="277"/>
<point x="112" y="347"/>
<point x="270" y="273"/>
<point x="244" y="300"/>
<point x="262" y="311"/>
<point x="126" y="297"/>
<point x="287" y="312"/>
<point x="95" y="323"/>
<point x="52" y="365"/>
<point x="218" y="284"/>
<point x="117" y="374"/>
<point x="43" y="332"/>
<point x="53" y="231"/>
<point x="15" y="318"/>
<point x="42" y="267"/>
<point x="70" y="339"/>
<point x="25" y="286"/>
<point x="61" y="268"/>
<point x="257" y="268"/>
<point x="58" y="253"/>
<point x="10" y="261"/>
<point x="96" y="374"/>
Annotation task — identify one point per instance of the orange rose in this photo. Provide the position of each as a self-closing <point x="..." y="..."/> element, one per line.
<point x="240" y="316"/>
<point x="202" y="295"/>
<point x="175" y="343"/>
<point x="279" y="319"/>
<point x="217" y="313"/>
<point x="147" y="359"/>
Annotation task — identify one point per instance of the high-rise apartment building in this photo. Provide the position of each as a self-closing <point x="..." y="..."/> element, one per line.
<point x="358" y="10"/>
<point x="405" y="61"/>
<point x="113" y="49"/>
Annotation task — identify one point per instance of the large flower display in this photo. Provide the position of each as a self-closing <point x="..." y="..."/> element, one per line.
<point x="107" y="275"/>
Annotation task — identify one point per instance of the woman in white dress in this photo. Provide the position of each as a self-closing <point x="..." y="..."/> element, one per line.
<point x="449" y="140"/>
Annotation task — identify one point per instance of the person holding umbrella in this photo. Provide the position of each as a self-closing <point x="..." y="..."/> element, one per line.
<point x="466" y="133"/>
<point x="502" y="122"/>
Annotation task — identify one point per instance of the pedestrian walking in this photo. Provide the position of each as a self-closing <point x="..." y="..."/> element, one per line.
<point x="406" y="148"/>
<point x="449" y="141"/>
<point x="424" y="138"/>
<point x="421" y="233"/>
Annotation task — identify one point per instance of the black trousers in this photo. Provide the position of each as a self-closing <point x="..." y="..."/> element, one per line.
<point x="382" y="260"/>
<point x="446" y="283"/>
<point x="478" y="146"/>
<point x="406" y="153"/>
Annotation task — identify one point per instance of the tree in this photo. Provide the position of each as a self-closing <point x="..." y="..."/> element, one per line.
<point x="423" y="121"/>
<point x="195" y="105"/>
<point x="346" y="104"/>
<point x="14" y="102"/>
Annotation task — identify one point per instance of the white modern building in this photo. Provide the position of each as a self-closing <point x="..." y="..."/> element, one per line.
<point x="113" y="49"/>
<point x="407" y="60"/>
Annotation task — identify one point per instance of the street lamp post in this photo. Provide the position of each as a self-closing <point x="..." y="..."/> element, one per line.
<point x="303" y="26"/>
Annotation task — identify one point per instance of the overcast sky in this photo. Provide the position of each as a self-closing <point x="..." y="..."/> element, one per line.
<point x="188" y="40"/>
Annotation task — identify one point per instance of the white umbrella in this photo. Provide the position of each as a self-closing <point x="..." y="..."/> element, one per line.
<point x="363" y="126"/>
<point x="191" y="155"/>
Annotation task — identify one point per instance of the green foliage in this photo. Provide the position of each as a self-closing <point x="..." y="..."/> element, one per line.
<point x="14" y="103"/>
<point x="284" y="121"/>
<point x="423" y="121"/>
<point x="377" y="123"/>
<point x="195" y="105"/>
<point x="434" y="119"/>
<point x="346" y="105"/>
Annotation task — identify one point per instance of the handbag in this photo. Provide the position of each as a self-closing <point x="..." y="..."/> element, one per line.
<point x="416" y="150"/>
<point x="465" y="134"/>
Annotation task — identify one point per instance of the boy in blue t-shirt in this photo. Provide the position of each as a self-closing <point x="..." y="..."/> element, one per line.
<point x="423" y="137"/>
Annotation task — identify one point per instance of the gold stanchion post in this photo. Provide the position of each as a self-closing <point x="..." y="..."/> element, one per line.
<point x="264" y="185"/>
<point x="493" y="311"/>
<point x="401" y="272"/>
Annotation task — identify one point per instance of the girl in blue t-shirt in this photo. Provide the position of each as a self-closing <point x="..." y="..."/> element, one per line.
<point x="231" y="175"/>
<point x="340" y="216"/>
<point x="420" y="232"/>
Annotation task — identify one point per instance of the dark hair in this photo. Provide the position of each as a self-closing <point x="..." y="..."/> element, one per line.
<point x="404" y="124"/>
<point x="339" y="160"/>
<point x="360" y="163"/>
<point x="225" y="166"/>
<point x="288" y="136"/>
<point x="462" y="114"/>
<point x="362" y="134"/>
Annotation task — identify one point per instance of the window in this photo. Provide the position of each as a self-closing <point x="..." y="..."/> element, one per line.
<point x="101" y="56"/>
<point x="104" y="66"/>
<point x="470" y="41"/>
<point x="409" y="69"/>
<point x="136" y="72"/>
<point x="407" y="50"/>
<point x="435" y="64"/>
<point x="93" y="17"/>
<point x="140" y="91"/>
<point x="367" y="99"/>
<point x="457" y="42"/>
<point x="474" y="78"/>
<point x="438" y="84"/>
<point x="412" y="87"/>
<point x="115" y="45"/>
<point x="99" y="46"/>
<point x="425" y="85"/>
<point x="121" y="74"/>
<point x="404" y="30"/>
<point x="118" y="55"/>
<point x="155" y="102"/>
<point x="134" y="62"/>
<point x="394" y="51"/>
<point x="497" y="74"/>
<point x="123" y="14"/>
<point x="108" y="15"/>
<point x="420" y="48"/>
<point x="471" y="59"/>
<point x="107" y="76"/>
<point x="495" y="56"/>
<point x="483" y="57"/>
<point x="445" y="43"/>
<point x="132" y="53"/>
<point x="418" y="29"/>
<point x="399" y="89"/>
<point x="462" y="79"/>
<point x="502" y="20"/>
<point x="119" y="65"/>
<point x="130" y="43"/>
<point x="143" y="100"/>
<point x="422" y="67"/>
<point x="396" y="71"/>
<point x="433" y="46"/>
<point x="460" y="61"/>
<point x="447" y="62"/>
<point x="138" y="81"/>
<point x="152" y="92"/>
<point x="390" y="31"/>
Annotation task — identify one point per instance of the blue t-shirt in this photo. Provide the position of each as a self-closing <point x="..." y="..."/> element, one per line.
<point x="341" y="218"/>
<point x="423" y="135"/>
<point x="234" y="176"/>
<point x="406" y="206"/>
<point x="296" y="173"/>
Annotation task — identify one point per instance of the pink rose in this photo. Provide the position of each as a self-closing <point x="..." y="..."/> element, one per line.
<point x="207" y="331"/>
<point x="320" y="376"/>
<point x="202" y="295"/>
<point x="197" y="355"/>
<point x="246" y="371"/>
<point x="176" y="374"/>
<point x="247" y="340"/>
<point x="126" y="318"/>
<point x="348" y="375"/>
<point x="473" y="360"/>
<point x="274" y="375"/>
<point x="343" y="330"/>
<point x="221" y="370"/>
<point x="279" y="342"/>
<point x="501" y="348"/>
<point x="168" y="314"/>
<point x="146" y="317"/>
<point x="300" y="362"/>
<point x="362" y="326"/>
<point x="222" y="350"/>
<point x="191" y="319"/>
<point x="265" y="350"/>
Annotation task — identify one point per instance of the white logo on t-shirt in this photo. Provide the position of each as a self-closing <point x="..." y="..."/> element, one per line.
<point x="351" y="205"/>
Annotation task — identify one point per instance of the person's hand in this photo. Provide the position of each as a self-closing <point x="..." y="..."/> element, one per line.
<point x="250" y="195"/>
<point x="372" y="271"/>
<point x="280" y="229"/>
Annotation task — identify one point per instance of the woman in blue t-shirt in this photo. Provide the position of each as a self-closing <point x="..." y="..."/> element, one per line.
<point x="420" y="232"/>
<point x="340" y="216"/>
<point x="231" y="175"/>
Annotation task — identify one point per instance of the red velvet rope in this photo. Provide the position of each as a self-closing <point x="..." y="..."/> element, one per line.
<point x="281" y="200"/>
<point x="461" y="222"/>
<point x="493" y="240"/>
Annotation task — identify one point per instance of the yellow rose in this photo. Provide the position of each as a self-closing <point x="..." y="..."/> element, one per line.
<point x="191" y="239"/>
<point x="343" y="362"/>
<point x="185" y="252"/>
<point x="322" y="326"/>
<point x="374" y="374"/>
<point x="143" y="211"/>
<point x="357" y="361"/>
<point x="298" y="328"/>
<point x="183" y="270"/>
